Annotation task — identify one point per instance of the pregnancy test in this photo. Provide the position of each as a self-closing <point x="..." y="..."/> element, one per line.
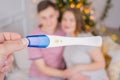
<point x="46" y="41"/>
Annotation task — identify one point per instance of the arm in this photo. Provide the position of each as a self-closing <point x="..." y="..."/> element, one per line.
<point x="58" y="73"/>
<point x="98" y="62"/>
<point x="48" y="70"/>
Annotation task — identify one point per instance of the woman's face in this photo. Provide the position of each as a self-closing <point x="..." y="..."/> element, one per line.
<point x="68" y="22"/>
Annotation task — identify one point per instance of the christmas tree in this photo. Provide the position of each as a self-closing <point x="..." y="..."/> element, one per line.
<point x="84" y="7"/>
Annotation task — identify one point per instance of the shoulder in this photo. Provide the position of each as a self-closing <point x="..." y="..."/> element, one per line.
<point x="36" y="30"/>
<point x="83" y="34"/>
<point x="88" y="48"/>
<point x="60" y="32"/>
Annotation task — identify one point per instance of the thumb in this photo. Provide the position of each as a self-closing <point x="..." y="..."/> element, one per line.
<point x="12" y="46"/>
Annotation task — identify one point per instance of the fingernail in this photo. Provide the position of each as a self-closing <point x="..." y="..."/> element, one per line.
<point x="25" y="41"/>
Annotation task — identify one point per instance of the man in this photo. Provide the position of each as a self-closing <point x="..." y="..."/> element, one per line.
<point x="9" y="43"/>
<point x="48" y="64"/>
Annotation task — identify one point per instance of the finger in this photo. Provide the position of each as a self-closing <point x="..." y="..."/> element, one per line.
<point x="5" y="36"/>
<point x="6" y="68"/>
<point x="12" y="46"/>
<point x="2" y="70"/>
<point x="8" y="64"/>
<point x="2" y="60"/>
<point x="9" y="60"/>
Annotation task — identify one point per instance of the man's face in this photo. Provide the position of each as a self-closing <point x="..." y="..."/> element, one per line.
<point x="48" y="18"/>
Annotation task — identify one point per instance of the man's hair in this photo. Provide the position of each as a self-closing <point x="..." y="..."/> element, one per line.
<point x="45" y="4"/>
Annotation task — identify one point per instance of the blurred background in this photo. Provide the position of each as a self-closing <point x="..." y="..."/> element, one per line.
<point x="20" y="15"/>
<point x="101" y="17"/>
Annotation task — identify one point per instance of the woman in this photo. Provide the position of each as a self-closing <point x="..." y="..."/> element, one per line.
<point x="83" y="59"/>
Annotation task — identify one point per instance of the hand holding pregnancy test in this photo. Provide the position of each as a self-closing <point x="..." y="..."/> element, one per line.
<point x="46" y="41"/>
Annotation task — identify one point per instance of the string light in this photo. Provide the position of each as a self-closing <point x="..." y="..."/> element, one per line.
<point x="114" y="37"/>
<point x="92" y="17"/>
<point x="79" y="5"/>
<point x="86" y="10"/>
<point x="87" y="27"/>
<point x="72" y="5"/>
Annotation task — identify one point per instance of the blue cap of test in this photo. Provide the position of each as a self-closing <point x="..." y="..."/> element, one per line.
<point x="38" y="41"/>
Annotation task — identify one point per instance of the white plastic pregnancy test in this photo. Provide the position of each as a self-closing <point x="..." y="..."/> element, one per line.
<point x="46" y="41"/>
